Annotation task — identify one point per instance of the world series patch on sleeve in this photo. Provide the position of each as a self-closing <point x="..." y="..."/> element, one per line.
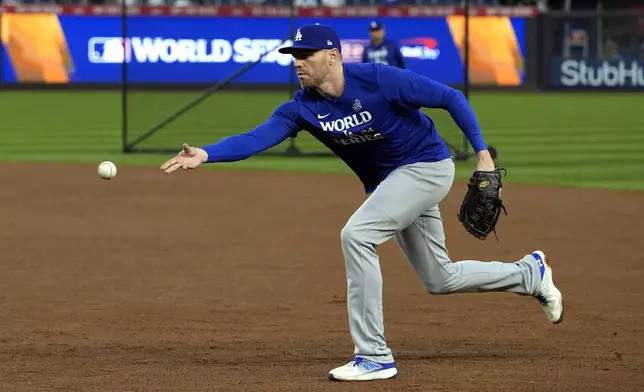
<point x="482" y="205"/>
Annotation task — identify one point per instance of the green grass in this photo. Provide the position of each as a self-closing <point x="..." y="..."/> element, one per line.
<point x="587" y="139"/>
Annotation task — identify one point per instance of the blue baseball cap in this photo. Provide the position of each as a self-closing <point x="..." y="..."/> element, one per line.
<point x="375" y="25"/>
<point x="313" y="37"/>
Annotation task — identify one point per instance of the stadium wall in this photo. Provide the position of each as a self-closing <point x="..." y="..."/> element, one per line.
<point x="84" y="47"/>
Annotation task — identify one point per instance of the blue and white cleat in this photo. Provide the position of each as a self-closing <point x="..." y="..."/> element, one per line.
<point x="548" y="295"/>
<point x="361" y="369"/>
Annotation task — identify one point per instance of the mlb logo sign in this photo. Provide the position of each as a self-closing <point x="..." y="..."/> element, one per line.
<point x="108" y="50"/>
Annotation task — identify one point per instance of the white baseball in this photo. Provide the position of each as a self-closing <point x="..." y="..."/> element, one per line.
<point x="107" y="170"/>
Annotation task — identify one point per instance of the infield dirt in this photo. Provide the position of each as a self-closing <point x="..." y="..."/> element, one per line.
<point x="216" y="281"/>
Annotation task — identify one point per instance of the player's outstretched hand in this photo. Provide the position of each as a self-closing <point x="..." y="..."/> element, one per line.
<point x="188" y="158"/>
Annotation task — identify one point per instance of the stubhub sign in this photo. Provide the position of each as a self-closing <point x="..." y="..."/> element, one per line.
<point x="111" y="50"/>
<point x="597" y="73"/>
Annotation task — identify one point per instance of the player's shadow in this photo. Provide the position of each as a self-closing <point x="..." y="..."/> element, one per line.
<point x="471" y="352"/>
<point x="460" y="355"/>
<point x="257" y="353"/>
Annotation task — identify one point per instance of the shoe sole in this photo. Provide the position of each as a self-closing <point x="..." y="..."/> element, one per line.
<point x="386" y="374"/>
<point x="546" y="261"/>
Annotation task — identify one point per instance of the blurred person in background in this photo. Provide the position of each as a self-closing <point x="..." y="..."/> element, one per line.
<point x="380" y="49"/>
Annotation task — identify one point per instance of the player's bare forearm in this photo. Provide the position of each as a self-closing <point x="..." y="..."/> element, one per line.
<point x="485" y="162"/>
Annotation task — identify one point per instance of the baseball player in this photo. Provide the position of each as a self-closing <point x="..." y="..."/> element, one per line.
<point x="380" y="49"/>
<point x="368" y="114"/>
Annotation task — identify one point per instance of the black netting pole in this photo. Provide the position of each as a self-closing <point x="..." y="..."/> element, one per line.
<point x="291" y="69"/>
<point x="466" y="63"/>
<point x="292" y="148"/>
<point x="124" y="84"/>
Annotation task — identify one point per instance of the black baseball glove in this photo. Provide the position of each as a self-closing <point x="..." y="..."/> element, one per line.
<point x="482" y="204"/>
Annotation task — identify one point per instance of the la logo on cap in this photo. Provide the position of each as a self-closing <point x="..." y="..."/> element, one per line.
<point x="298" y="35"/>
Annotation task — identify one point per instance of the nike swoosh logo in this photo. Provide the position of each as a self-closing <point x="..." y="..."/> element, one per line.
<point x="326" y="115"/>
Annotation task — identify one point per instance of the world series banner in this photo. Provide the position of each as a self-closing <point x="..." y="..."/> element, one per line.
<point x="66" y="44"/>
